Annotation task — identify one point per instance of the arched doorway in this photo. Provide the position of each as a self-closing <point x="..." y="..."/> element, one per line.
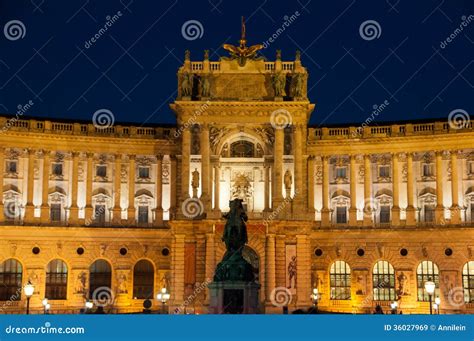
<point x="251" y="256"/>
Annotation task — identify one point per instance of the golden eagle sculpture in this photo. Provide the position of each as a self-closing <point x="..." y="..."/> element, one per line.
<point x="242" y="52"/>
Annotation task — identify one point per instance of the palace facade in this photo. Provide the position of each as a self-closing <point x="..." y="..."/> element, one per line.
<point x="114" y="213"/>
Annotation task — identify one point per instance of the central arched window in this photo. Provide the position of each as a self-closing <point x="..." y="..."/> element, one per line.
<point x="426" y="271"/>
<point x="468" y="281"/>
<point x="143" y="279"/>
<point x="100" y="276"/>
<point x="56" y="280"/>
<point x="11" y="273"/>
<point x="242" y="149"/>
<point x="340" y="281"/>
<point x="383" y="281"/>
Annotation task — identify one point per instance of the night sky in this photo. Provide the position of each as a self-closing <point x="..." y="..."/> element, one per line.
<point x="131" y="69"/>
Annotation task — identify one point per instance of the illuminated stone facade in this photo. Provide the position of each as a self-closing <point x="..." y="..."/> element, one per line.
<point x="356" y="206"/>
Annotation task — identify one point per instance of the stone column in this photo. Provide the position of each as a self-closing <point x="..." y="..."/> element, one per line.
<point x="173" y="179"/>
<point x="267" y="173"/>
<point x="269" y="266"/>
<point x="90" y="174"/>
<point x="439" y="211"/>
<point x="210" y="260"/>
<point x="217" y="188"/>
<point x="159" y="191"/>
<point x="455" y="209"/>
<point x="396" y="191"/>
<point x="205" y="168"/>
<point x="185" y="161"/>
<point x="411" y="217"/>
<point x="177" y="267"/>
<point x="117" y="210"/>
<point x="131" y="190"/>
<point x="368" y="201"/>
<point x="30" y="191"/>
<point x="298" y="158"/>
<point x="2" y="162"/>
<point x="311" y="186"/>
<point x="353" y="189"/>
<point x="278" y="168"/>
<point x="74" y="209"/>
<point x="303" y="270"/>
<point x="325" y="216"/>
<point x="45" y="188"/>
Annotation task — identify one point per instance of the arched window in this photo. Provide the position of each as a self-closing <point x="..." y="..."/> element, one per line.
<point x="56" y="280"/>
<point x="426" y="271"/>
<point x="100" y="276"/>
<point x="242" y="149"/>
<point x="383" y="281"/>
<point x="340" y="281"/>
<point x="468" y="281"/>
<point x="143" y="280"/>
<point x="11" y="273"/>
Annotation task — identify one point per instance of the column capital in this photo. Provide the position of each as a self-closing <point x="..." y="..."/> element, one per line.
<point x="89" y="155"/>
<point x="118" y="157"/>
<point x="159" y="157"/>
<point x="75" y="154"/>
<point x="132" y="157"/>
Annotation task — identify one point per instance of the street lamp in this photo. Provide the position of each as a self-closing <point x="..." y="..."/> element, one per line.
<point x="163" y="296"/>
<point x="437" y="304"/>
<point x="430" y="287"/>
<point x="315" y="298"/>
<point x="89" y="305"/>
<point x="46" y="305"/>
<point x="29" y="289"/>
<point x="394" y="306"/>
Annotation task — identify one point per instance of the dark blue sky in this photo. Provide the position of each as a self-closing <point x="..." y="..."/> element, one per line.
<point x="131" y="69"/>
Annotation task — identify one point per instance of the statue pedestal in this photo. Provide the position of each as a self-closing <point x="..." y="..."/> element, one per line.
<point x="233" y="297"/>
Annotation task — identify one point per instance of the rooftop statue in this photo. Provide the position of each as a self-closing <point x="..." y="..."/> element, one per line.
<point x="242" y="52"/>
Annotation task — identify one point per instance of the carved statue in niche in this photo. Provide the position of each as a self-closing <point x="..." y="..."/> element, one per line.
<point x="241" y="189"/>
<point x="186" y="84"/>
<point x="279" y="83"/>
<point x="403" y="285"/>
<point x="259" y="150"/>
<point x="81" y="283"/>
<point x="288" y="180"/>
<point x="205" y="86"/>
<point x="298" y="84"/>
<point x="195" y="182"/>
<point x="122" y="284"/>
<point x="361" y="286"/>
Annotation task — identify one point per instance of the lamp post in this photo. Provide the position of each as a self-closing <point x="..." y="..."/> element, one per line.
<point x="315" y="298"/>
<point x="29" y="289"/>
<point x="437" y="304"/>
<point x="163" y="296"/>
<point x="89" y="305"/>
<point x="430" y="287"/>
<point x="46" y="305"/>
<point x="394" y="306"/>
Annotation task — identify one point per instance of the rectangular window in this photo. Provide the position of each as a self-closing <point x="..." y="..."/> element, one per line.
<point x="55" y="212"/>
<point x="143" y="214"/>
<point x="101" y="171"/>
<point x="57" y="169"/>
<point x="471" y="167"/>
<point x="341" y="172"/>
<point x="429" y="213"/>
<point x="428" y="169"/>
<point x="99" y="214"/>
<point x="341" y="215"/>
<point x="11" y="167"/>
<point x="384" y="171"/>
<point x="144" y="172"/>
<point x="384" y="214"/>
